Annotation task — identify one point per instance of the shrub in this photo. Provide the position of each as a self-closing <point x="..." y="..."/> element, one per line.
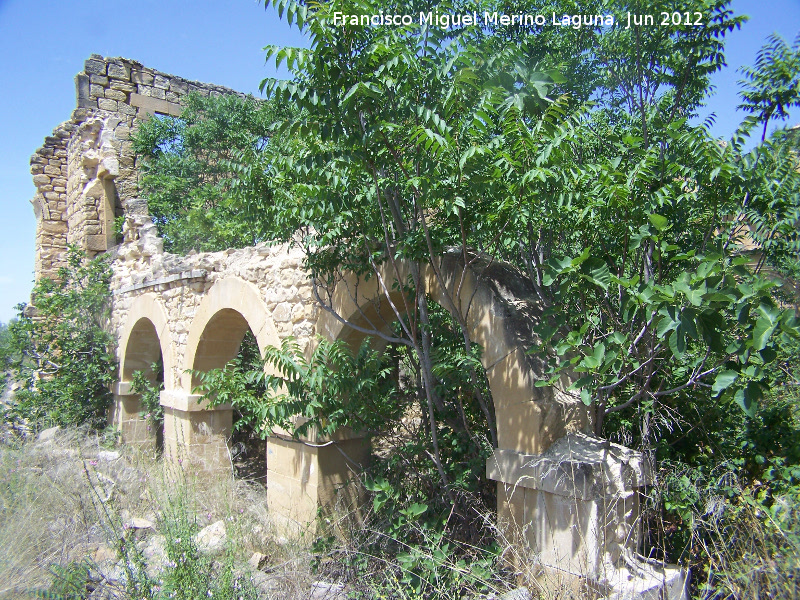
<point x="60" y="352"/>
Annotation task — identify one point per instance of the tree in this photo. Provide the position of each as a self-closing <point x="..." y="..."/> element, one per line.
<point x="61" y="350"/>
<point x="772" y="85"/>
<point x="194" y="171"/>
<point x="624" y="214"/>
<point x="572" y="155"/>
<point x="416" y="139"/>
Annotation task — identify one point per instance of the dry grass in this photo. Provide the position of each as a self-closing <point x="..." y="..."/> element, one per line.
<point x="62" y="499"/>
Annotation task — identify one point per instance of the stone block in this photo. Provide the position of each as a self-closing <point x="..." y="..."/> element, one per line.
<point x="188" y="403"/>
<point x="96" y="67"/>
<point x="96" y="243"/>
<point x="161" y="82"/>
<point x="96" y="91"/>
<point x="148" y="106"/>
<point x="106" y="104"/>
<point x="126" y="109"/>
<point x="116" y="95"/>
<point x="282" y="312"/>
<point x="304" y="479"/>
<point x="54" y="226"/>
<point x="142" y="77"/>
<point x="179" y="86"/>
<point x="197" y="438"/>
<point x="98" y="80"/>
<point x="83" y="91"/>
<point x="118" y="71"/>
<point x="575" y="466"/>
<point x="123" y="388"/>
<point x="123" y="86"/>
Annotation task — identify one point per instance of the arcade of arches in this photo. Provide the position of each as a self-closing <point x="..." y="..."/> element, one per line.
<point x="571" y="501"/>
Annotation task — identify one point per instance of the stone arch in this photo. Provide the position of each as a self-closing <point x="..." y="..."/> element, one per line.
<point x="146" y="335"/>
<point x="222" y="319"/>
<point x="502" y="315"/>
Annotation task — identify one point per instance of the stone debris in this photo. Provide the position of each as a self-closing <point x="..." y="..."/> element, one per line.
<point x="154" y="551"/>
<point x="103" y="554"/>
<point x="108" y="455"/>
<point x="321" y="590"/>
<point x="520" y="593"/>
<point x="212" y="538"/>
<point x="137" y="523"/>
<point x="48" y="434"/>
<point x="257" y="561"/>
<point x="268" y="585"/>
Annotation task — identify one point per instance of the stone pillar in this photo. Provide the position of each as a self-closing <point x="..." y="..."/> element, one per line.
<point x="125" y="415"/>
<point x="195" y="434"/>
<point x="575" y="508"/>
<point x="315" y="477"/>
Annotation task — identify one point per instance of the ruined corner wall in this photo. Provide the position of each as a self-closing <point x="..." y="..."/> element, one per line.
<point x="86" y="171"/>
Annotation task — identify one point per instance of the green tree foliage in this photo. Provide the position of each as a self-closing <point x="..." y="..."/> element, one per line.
<point x="420" y="139"/>
<point x="194" y="171"/>
<point x="334" y="388"/>
<point x="573" y="155"/>
<point x="627" y="217"/>
<point x="61" y="352"/>
<point x="6" y="354"/>
<point x="772" y="86"/>
<point x="149" y="386"/>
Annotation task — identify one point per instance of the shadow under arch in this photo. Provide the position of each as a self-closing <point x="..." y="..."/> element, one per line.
<point x="230" y="307"/>
<point x="502" y="315"/>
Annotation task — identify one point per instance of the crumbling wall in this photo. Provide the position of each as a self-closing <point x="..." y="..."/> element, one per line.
<point x="86" y="171"/>
<point x="49" y="169"/>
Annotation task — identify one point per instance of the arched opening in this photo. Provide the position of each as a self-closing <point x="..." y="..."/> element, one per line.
<point x="430" y="453"/>
<point x="228" y="343"/>
<point x="142" y="380"/>
<point x="142" y="350"/>
<point x="498" y="310"/>
<point x="219" y="343"/>
<point x="501" y="315"/>
<point x="193" y="428"/>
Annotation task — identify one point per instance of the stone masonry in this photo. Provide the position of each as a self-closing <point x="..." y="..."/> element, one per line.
<point x="86" y="170"/>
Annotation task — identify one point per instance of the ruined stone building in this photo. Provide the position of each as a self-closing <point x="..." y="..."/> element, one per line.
<point x="570" y="500"/>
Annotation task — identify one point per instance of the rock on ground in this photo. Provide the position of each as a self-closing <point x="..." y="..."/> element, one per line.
<point x="212" y="538"/>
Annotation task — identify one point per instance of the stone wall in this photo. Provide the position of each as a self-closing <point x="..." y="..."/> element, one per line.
<point x="182" y="282"/>
<point x="49" y="169"/>
<point x="85" y="172"/>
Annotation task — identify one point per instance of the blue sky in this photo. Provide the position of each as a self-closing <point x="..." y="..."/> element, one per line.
<point x="43" y="45"/>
